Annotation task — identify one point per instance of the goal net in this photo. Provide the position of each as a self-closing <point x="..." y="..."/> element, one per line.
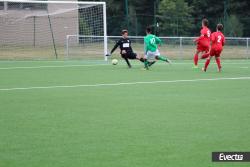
<point x="42" y="29"/>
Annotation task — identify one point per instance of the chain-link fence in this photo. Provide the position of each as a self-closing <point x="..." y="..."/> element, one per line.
<point x="234" y="26"/>
<point x="182" y="48"/>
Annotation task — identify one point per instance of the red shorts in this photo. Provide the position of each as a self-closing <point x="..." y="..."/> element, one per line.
<point x="215" y="52"/>
<point x="202" y="48"/>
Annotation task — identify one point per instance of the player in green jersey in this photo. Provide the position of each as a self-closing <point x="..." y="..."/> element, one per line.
<point x="151" y="43"/>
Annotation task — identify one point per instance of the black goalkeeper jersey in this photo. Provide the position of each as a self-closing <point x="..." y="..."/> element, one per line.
<point x="124" y="44"/>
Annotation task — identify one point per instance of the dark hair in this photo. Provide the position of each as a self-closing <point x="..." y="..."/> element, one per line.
<point x="124" y="31"/>
<point x="148" y="30"/>
<point x="219" y="27"/>
<point x="205" y="22"/>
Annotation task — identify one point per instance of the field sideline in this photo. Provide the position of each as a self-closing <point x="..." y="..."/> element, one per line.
<point x="93" y="114"/>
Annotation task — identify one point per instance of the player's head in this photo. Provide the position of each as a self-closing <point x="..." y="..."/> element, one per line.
<point x="204" y="22"/>
<point x="148" y="30"/>
<point x="219" y="27"/>
<point x="125" y="33"/>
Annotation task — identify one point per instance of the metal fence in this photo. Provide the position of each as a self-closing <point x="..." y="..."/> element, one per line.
<point x="91" y="47"/>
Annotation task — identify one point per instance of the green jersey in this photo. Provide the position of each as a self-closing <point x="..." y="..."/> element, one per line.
<point x="151" y="43"/>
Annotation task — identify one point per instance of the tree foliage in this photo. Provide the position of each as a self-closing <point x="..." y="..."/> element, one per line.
<point x="175" y="17"/>
<point x="179" y="17"/>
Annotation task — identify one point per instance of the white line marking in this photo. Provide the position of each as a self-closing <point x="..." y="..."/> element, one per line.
<point x="61" y="66"/>
<point x="123" y="83"/>
<point x="236" y="63"/>
<point x="96" y="65"/>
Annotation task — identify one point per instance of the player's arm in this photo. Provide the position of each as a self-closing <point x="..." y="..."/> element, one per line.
<point x="213" y="38"/>
<point x="114" y="48"/>
<point x="158" y="41"/>
<point x="200" y="37"/>
<point x="130" y="45"/>
<point x="145" y="46"/>
<point x="223" y="41"/>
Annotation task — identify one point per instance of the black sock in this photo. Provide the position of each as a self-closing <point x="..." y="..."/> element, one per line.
<point x="142" y="60"/>
<point x="151" y="63"/>
<point x="127" y="61"/>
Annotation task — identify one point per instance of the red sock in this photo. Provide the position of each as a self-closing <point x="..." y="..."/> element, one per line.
<point x="218" y="62"/>
<point x="205" y="55"/>
<point x="196" y="58"/>
<point x="207" y="63"/>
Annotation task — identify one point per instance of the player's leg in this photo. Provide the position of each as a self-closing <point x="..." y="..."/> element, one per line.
<point x="196" y="55"/>
<point x="147" y="60"/>
<point x="135" y="56"/>
<point x="196" y="58"/>
<point x="205" y="55"/>
<point x="207" y="50"/>
<point x="124" y="56"/>
<point x="146" y="64"/>
<point x="207" y="63"/>
<point x="211" y="54"/>
<point x="162" y="58"/>
<point x="218" y="62"/>
<point x="151" y="63"/>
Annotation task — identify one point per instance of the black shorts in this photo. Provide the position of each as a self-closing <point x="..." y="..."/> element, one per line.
<point x="130" y="55"/>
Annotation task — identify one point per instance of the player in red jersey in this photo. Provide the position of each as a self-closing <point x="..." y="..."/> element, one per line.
<point x="218" y="41"/>
<point x="203" y="42"/>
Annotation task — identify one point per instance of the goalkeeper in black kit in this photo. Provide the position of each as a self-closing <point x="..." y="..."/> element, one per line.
<point x="126" y="50"/>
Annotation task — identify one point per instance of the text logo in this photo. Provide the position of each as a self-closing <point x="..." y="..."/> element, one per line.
<point x="231" y="156"/>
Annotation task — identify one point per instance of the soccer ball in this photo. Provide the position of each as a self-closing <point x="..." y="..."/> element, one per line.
<point x="114" y="61"/>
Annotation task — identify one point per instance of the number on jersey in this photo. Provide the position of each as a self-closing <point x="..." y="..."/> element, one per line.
<point x="219" y="39"/>
<point x="152" y="41"/>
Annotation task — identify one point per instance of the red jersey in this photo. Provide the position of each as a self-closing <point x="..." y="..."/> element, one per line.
<point x="218" y="40"/>
<point x="204" y="39"/>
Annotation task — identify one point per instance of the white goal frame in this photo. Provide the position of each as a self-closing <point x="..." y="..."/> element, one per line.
<point x="87" y="36"/>
<point x="105" y="49"/>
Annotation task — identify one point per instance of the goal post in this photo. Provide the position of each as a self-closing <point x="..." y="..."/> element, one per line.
<point x="33" y="29"/>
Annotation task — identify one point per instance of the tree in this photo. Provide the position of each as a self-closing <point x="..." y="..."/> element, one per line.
<point x="175" y="17"/>
<point x="240" y="10"/>
<point x="179" y="17"/>
<point x="213" y="10"/>
<point x="235" y="27"/>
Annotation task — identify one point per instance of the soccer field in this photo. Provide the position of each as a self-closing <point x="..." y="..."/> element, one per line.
<point x="76" y="113"/>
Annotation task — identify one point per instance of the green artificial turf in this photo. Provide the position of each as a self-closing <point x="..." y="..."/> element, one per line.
<point x="150" y="124"/>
